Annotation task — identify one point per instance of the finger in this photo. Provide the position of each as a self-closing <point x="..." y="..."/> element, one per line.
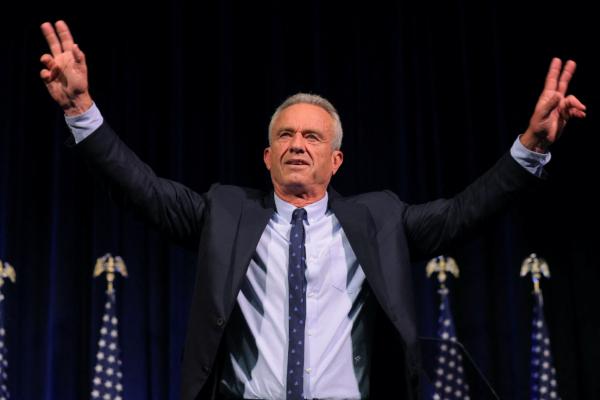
<point x="577" y="113"/>
<point x="47" y="60"/>
<point x="548" y="105"/>
<point x="45" y="75"/>
<point x="64" y="35"/>
<point x="565" y="76"/>
<point x="574" y="103"/>
<point x="51" y="38"/>
<point x="78" y="54"/>
<point x="553" y="73"/>
<point x="570" y="106"/>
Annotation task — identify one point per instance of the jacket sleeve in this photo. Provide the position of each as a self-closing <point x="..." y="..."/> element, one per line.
<point x="172" y="208"/>
<point x="433" y="226"/>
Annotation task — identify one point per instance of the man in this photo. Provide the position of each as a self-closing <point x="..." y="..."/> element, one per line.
<point x="290" y="282"/>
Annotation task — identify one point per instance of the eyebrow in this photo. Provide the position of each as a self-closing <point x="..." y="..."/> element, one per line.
<point x="304" y="131"/>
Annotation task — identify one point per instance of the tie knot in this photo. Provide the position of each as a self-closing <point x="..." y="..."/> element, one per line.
<point x="299" y="214"/>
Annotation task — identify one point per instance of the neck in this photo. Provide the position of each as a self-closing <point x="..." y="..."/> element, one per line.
<point x="300" y="198"/>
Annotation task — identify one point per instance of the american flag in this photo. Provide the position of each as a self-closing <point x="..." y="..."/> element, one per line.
<point x="449" y="378"/>
<point x="4" y="393"/>
<point x="543" y="374"/>
<point x="106" y="384"/>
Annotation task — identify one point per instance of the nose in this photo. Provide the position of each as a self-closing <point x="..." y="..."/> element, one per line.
<point x="297" y="143"/>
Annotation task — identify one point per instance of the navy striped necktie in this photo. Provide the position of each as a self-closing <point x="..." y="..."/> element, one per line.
<point x="297" y="307"/>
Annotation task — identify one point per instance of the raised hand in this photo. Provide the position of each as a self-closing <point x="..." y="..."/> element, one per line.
<point x="553" y="109"/>
<point x="65" y="72"/>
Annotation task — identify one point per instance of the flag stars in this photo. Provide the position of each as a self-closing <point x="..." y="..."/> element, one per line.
<point x="543" y="382"/>
<point x="107" y="377"/>
<point x="449" y="382"/>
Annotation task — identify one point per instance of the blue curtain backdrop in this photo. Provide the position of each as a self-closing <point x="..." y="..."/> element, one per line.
<point x="430" y="95"/>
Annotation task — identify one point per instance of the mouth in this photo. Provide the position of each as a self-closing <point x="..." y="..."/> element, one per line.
<point x="296" y="161"/>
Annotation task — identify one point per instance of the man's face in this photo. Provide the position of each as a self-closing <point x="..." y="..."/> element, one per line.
<point x="301" y="157"/>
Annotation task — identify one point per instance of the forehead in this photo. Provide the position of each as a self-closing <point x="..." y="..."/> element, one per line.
<point x="304" y="116"/>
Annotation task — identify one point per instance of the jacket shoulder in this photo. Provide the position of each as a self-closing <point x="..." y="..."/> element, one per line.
<point x="220" y="192"/>
<point x="382" y="205"/>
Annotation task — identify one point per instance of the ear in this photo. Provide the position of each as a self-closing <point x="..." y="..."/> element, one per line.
<point x="267" y="157"/>
<point x="337" y="159"/>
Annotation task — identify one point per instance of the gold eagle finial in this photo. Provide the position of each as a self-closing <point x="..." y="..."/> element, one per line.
<point x="537" y="267"/>
<point x="442" y="265"/>
<point x="111" y="265"/>
<point x="7" y="271"/>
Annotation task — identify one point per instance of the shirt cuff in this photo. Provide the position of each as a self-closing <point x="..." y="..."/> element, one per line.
<point x="85" y="124"/>
<point x="530" y="160"/>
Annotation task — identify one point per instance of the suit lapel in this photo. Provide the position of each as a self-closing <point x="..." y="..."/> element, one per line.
<point x="358" y="226"/>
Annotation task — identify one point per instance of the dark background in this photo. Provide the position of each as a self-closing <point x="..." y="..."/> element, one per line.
<point x="430" y="96"/>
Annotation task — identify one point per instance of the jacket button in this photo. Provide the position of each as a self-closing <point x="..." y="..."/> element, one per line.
<point x="220" y="321"/>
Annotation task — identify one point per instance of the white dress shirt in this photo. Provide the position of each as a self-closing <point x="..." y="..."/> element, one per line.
<point x="337" y="334"/>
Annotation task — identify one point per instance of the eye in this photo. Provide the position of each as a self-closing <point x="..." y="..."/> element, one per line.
<point x="311" y="136"/>
<point x="284" y="134"/>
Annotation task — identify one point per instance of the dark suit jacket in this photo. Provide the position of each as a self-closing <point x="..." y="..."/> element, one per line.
<point x="225" y="224"/>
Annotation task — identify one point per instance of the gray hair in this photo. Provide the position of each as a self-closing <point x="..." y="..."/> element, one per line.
<point x="316" y="100"/>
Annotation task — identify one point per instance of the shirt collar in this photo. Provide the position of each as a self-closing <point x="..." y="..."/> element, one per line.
<point x="314" y="211"/>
